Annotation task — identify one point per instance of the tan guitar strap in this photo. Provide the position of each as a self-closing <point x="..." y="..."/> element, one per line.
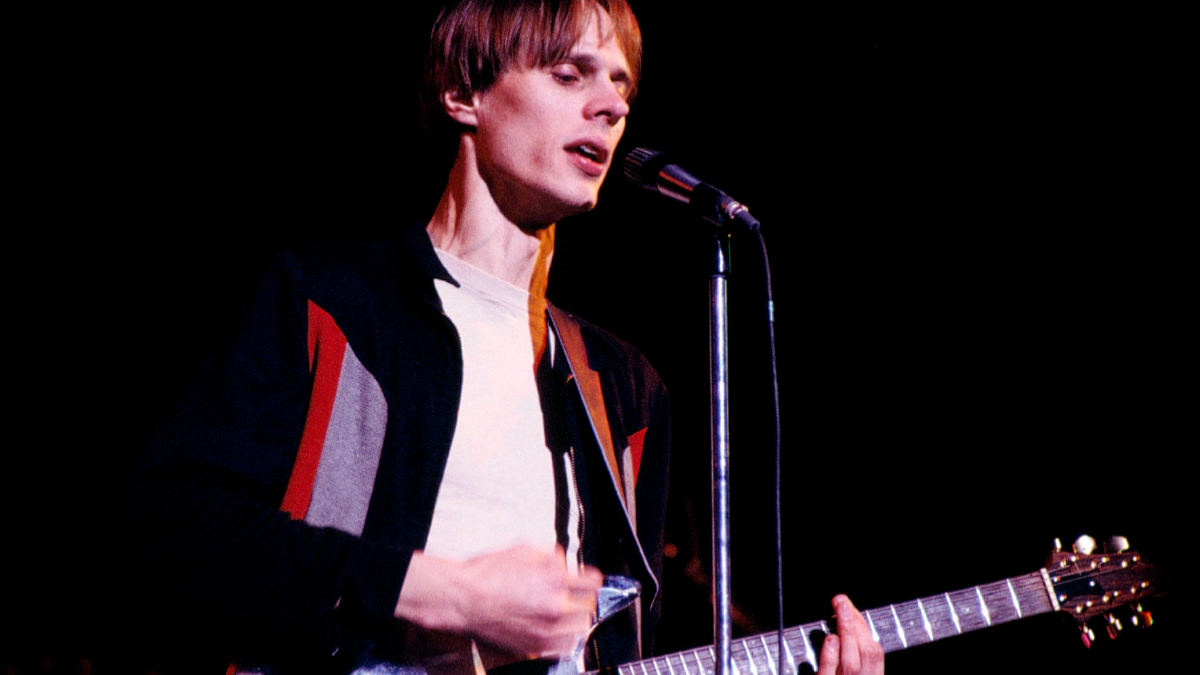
<point x="566" y="328"/>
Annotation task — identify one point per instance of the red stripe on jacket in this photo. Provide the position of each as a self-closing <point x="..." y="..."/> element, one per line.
<point x="326" y="349"/>
<point x="636" y="439"/>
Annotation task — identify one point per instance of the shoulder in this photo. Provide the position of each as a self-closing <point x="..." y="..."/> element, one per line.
<point x="625" y="371"/>
<point x="360" y="274"/>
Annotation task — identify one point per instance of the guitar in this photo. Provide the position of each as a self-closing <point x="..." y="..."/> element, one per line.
<point x="1085" y="585"/>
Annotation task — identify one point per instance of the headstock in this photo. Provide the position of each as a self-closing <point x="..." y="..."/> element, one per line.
<point x="1110" y="585"/>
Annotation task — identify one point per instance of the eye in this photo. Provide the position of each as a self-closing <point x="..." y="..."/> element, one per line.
<point x="566" y="74"/>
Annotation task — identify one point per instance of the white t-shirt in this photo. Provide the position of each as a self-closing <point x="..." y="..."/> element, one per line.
<point x="498" y="488"/>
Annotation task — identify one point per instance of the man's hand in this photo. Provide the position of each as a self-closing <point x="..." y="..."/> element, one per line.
<point x="852" y="651"/>
<point x="521" y="599"/>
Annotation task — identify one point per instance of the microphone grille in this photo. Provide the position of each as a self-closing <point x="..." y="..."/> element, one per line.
<point x="642" y="166"/>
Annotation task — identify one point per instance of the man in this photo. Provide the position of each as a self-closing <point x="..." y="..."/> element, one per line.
<point x="408" y="455"/>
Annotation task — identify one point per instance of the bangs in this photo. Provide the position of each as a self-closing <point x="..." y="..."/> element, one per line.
<point x="475" y="41"/>
<point x="547" y="37"/>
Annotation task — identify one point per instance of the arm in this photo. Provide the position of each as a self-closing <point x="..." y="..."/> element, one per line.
<point x="521" y="599"/>
<point x="212" y="551"/>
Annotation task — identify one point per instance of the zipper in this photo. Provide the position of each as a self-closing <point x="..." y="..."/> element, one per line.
<point x="579" y="503"/>
<point x="582" y="531"/>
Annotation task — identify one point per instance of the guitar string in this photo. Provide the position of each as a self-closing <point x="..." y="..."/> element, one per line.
<point x="1029" y="589"/>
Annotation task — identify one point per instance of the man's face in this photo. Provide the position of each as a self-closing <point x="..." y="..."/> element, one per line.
<point x="545" y="137"/>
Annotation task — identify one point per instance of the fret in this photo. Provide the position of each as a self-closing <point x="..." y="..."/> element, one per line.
<point x="912" y="621"/>
<point x="770" y="647"/>
<point x="1012" y="593"/>
<point x="712" y="660"/>
<point x="700" y="664"/>
<point x="749" y="657"/>
<point x="671" y="668"/>
<point x="939" y="619"/>
<point x="999" y="602"/>
<point x="743" y="659"/>
<point x="987" y="616"/>
<point x="767" y="650"/>
<point x="655" y="664"/>
<point x="885" y="627"/>
<point x="810" y="656"/>
<point x="967" y="609"/>
<point x="899" y="628"/>
<point x="953" y="614"/>
<point x="1036" y="596"/>
<point x="787" y="651"/>
<point x="925" y="620"/>
<point x="942" y="618"/>
<point x="871" y="623"/>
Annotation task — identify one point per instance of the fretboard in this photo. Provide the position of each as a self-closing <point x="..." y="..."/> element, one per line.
<point x="895" y="627"/>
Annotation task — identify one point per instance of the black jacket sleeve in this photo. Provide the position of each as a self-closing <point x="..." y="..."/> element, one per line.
<point x="212" y="552"/>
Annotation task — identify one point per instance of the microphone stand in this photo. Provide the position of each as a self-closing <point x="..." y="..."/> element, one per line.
<point x="718" y="356"/>
<point x="649" y="169"/>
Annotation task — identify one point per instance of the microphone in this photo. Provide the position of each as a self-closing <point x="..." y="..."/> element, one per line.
<point x="649" y="169"/>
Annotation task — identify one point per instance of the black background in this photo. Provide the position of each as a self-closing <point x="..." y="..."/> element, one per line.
<point x="978" y="270"/>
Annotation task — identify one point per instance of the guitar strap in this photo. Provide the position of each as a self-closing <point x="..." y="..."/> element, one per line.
<point x="566" y="329"/>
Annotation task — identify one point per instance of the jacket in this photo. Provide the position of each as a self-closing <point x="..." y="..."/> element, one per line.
<point x="278" y="509"/>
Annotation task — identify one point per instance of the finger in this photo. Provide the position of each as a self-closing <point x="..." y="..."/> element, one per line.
<point x="829" y="656"/>
<point x="859" y="653"/>
<point x="588" y="581"/>
<point x="584" y="587"/>
<point x="593" y="576"/>
<point x="560" y="554"/>
<point x="848" y="620"/>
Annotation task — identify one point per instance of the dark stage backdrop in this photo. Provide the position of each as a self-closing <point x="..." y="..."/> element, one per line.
<point x="978" y="278"/>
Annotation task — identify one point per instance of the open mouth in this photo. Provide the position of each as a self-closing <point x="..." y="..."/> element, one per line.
<point x="590" y="152"/>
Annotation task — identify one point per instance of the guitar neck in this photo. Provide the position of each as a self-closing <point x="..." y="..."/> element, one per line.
<point x="895" y="627"/>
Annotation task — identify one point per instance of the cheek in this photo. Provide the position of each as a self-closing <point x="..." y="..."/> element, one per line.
<point x="619" y="130"/>
<point x="523" y="137"/>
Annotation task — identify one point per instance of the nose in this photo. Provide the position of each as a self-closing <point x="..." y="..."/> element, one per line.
<point x="609" y="102"/>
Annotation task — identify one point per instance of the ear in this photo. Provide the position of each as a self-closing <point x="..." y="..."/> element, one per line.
<point x="459" y="110"/>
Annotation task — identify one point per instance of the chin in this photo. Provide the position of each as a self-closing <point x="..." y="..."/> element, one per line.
<point x="587" y="202"/>
<point x="576" y="206"/>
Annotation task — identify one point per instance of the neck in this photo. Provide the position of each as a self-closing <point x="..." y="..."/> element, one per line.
<point x="469" y="225"/>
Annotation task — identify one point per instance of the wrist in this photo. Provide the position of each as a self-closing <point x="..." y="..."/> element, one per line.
<point x="431" y="595"/>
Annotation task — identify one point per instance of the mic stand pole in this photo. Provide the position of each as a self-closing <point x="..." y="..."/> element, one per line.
<point x="718" y="355"/>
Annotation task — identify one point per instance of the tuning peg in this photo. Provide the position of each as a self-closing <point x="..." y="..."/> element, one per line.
<point x="1114" y="626"/>
<point x="1118" y="544"/>
<point x="1084" y="545"/>
<point x="1141" y="617"/>
<point x="1057" y="545"/>
<point x="1086" y="634"/>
